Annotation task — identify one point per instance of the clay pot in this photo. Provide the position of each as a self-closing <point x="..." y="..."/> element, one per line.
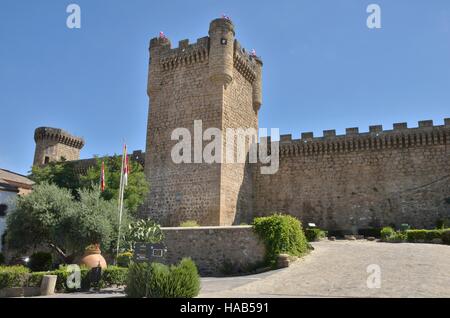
<point x="92" y="258"/>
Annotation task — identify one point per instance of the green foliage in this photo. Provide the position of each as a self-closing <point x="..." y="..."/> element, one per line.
<point x="50" y="215"/>
<point x="281" y="234"/>
<point x="114" y="275"/>
<point x="38" y="216"/>
<point x="139" y="277"/>
<point x="91" y="220"/>
<point x="2" y="259"/>
<point x="156" y="280"/>
<point x="142" y="231"/>
<point x="19" y="276"/>
<point x="415" y="236"/>
<point x="135" y="191"/>
<point x="314" y="234"/>
<point x="61" y="174"/>
<point x="40" y="261"/>
<point x="13" y="276"/>
<point x="124" y="259"/>
<point x="446" y="237"/>
<point x="386" y="233"/>
<point x="189" y="223"/>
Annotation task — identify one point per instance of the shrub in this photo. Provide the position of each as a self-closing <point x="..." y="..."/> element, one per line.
<point x="386" y="233"/>
<point x="40" y="261"/>
<point x="281" y="234"/>
<point x="189" y="224"/>
<point x="114" y="275"/>
<point x="446" y="237"/>
<point x="314" y="234"/>
<point x="35" y="279"/>
<point x="13" y="276"/>
<point x="397" y="237"/>
<point x="62" y="274"/>
<point x="124" y="259"/>
<point x="139" y="276"/>
<point x="2" y="259"/>
<point x="416" y="235"/>
<point x="160" y="281"/>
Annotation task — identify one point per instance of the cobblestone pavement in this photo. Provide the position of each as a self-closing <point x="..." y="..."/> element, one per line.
<point x="339" y="269"/>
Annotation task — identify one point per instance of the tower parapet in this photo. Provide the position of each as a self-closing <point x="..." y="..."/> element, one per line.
<point x="54" y="144"/>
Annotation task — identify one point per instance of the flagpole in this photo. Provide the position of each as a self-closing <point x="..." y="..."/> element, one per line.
<point x="120" y="204"/>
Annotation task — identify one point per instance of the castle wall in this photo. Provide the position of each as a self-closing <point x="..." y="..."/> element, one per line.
<point x="215" y="249"/>
<point x="360" y="181"/>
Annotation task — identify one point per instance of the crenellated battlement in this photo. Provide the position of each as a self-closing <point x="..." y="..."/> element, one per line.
<point x="375" y="139"/>
<point x="246" y="64"/>
<point x="58" y="135"/>
<point x="184" y="54"/>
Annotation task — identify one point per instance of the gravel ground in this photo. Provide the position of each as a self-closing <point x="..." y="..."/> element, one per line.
<point x="339" y="269"/>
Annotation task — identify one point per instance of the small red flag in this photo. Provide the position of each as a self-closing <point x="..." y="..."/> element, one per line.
<point x="102" y="177"/>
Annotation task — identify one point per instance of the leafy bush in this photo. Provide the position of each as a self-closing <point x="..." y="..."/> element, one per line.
<point x="189" y="224"/>
<point x="35" y="278"/>
<point x="160" y="281"/>
<point x="114" y="275"/>
<point x="13" y="276"/>
<point x="2" y="259"/>
<point x="397" y="237"/>
<point x="446" y="237"/>
<point x="314" y="234"/>
<point x="416" y="235"/>
<point x="386" y="233"/>
<point x="124" y="259"/>
<point x="40" y="261"/>
<point x="281" y="234"/>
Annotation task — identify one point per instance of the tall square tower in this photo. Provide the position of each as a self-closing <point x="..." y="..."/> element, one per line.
<point x="213" y="82"/>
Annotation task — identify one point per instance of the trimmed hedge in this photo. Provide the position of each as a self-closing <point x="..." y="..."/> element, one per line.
<point x="282" y="234"/>
<point x="414" y="236"/>
<point x="156" y="280"/>
<point x="114" y="275"/>
<point x="13" y="276"/>
<point x="20" y="276"/>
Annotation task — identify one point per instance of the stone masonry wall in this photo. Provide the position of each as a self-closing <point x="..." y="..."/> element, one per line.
<point x="360" y="181"/>
<point x="213" y="249"/>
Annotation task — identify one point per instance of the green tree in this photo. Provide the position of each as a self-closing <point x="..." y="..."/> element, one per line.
<point x="135" y="191"/>
<point x="50" y="215"/>
<point x="61" y="173"/>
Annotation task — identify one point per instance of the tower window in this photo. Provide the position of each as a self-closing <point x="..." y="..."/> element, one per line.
<point x="46" y="159"/>
<point x="223" y="41"/>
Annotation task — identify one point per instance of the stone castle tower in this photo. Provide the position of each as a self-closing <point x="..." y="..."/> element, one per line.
<point x="213" y="80"/>
<point x="54" y="144"/>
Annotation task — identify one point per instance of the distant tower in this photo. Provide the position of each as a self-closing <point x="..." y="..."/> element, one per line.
<point x="213" y="80"/>
<point x="53" y="144"/>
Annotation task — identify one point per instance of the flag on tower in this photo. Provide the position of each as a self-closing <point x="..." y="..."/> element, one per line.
<point x="102" y="177"/>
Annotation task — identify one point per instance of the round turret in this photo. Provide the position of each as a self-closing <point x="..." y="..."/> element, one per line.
<point x="221" y="37"/>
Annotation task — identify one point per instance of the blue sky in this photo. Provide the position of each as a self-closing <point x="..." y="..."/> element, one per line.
<point x="323" y="68"/>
